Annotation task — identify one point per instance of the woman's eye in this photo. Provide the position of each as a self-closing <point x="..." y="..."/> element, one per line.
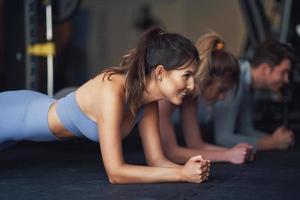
<point x="186" y="76"/>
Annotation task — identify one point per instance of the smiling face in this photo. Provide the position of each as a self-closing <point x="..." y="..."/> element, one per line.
<point x="277" y="76"/>
<point x="176" y="84"/>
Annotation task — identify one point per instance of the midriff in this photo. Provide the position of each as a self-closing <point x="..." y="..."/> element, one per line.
<point x="55" y="125"/>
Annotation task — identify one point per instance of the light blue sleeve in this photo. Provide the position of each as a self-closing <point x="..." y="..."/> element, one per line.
<point x="245" y="118"/>
<point x="225" y="118"/>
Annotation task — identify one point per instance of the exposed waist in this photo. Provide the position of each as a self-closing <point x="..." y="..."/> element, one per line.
<point x="73" y="120"/>
<point x="56" y="126"/>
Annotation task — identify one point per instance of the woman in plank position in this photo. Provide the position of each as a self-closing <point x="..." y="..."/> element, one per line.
<point x="218" y="72"/>
<point x="105" y="109"/>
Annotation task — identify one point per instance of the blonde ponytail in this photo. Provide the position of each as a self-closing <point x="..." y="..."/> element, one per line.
<point x="215" y="63"/>
<point x="205" y="45"/>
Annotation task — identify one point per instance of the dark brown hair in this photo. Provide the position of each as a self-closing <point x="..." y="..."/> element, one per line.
<point x="215" y="63"/>
<point x="155" y="47"/>
<point x="272" y="52"/>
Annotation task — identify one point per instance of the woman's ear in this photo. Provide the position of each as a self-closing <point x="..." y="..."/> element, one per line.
<point x="159" y="72"/>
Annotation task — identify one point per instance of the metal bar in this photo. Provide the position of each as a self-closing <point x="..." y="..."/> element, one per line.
<point x="285" y="20"/>
<point x="49" y="35"/>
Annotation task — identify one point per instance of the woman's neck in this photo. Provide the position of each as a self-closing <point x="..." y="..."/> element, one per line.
<point x="152" y="91"/>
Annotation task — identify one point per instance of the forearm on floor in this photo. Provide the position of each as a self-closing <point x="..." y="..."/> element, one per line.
<point x="265" y="143"/>
<point x="144" y="174"/>
<point x="181" y="154"/>
<point x="207" y="146"/>
<point x="227" y="139"/>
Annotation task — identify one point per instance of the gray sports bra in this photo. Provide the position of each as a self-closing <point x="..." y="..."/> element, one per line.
<point x="78" y="122"/>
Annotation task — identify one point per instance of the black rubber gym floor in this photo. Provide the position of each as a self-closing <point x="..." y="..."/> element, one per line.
<point x="74" y="170"/>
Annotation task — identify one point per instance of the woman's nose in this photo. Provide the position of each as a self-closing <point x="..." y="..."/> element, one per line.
<point x="191" y="84"/>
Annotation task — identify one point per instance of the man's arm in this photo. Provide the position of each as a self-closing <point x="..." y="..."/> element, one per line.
<point x="245" y="118"/>
<point x="225" y="118"/>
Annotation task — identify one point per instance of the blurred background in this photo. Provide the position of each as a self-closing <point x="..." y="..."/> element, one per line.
<point x="48" y="45"/>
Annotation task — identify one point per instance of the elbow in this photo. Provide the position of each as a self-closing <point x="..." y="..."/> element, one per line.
<point x="174" y="155"/>
<point x="156" y="163"/>
<point x="169" y="151"/>
<point x="115" y="181"/>
<point x="162" y="161"/>
<point x="115" y="177"/>
<point x="177" y="159"/>
<point x="112" y="180"/>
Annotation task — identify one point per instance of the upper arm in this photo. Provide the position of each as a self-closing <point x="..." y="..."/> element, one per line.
<point x="245" y="117"/>
<point x="149" y="132"/>
<point x="167" y="131"/>
<point x="227" y="116"/>
<point x="109" y="124"/>
<point x="190" y="125"/>
<point x="224" y="117"/>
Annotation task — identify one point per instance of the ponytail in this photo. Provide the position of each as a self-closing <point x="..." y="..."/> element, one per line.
<point x="155" y="47"/>
<point x="206" y="45"/>
<point x="215" y="62"/>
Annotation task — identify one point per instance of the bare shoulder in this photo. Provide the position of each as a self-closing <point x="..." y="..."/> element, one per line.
<point x="110" y="81"/>
<point x="100" y="92"/>
<point x="102" y="85"/>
